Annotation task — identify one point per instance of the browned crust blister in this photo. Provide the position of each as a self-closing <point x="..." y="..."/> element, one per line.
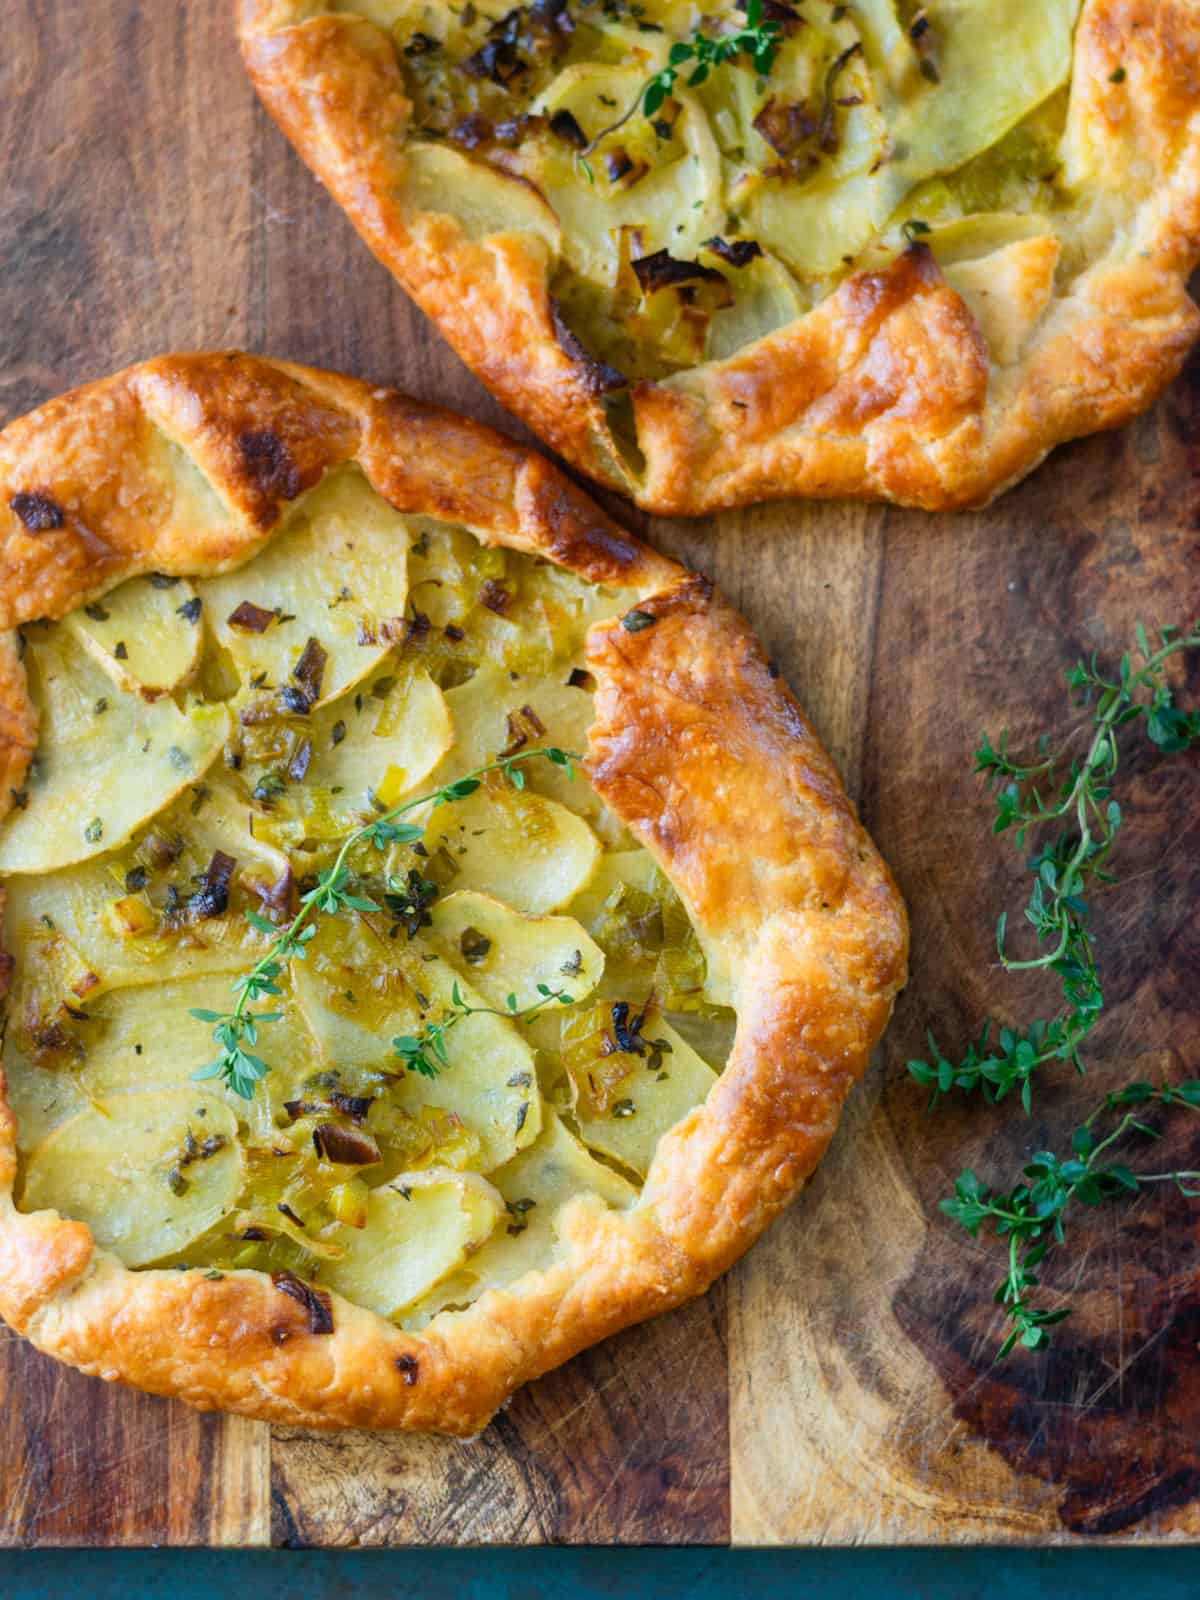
<point x="186" y="465"/>
<point x="888" y="389"/>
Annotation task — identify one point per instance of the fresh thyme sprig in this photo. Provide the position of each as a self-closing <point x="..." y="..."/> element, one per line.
<point x="425" y="1052"/>
<point x="1066" y="866"/>
<point x="1078" y="797"/>
<point x="757" y="39"/>
<point x="333" y="893"/>
<point x="1030" y="1216"/>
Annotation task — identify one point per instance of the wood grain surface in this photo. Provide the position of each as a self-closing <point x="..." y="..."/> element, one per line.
<point x="838" y="1386"/>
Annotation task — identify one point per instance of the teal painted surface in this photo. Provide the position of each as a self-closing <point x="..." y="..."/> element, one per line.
<point x="601" y="1574"/>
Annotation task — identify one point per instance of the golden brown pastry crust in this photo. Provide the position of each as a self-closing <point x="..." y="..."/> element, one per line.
<point x="891" y="388"/>
<point x="696" y="746"/>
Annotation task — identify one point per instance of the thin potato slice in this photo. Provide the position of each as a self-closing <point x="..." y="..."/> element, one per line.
<point x="534" y="1186"/>
<point x="766" y="297"/>
<point x="495" y="713"/>
<point x="354" y="755"/>
<point x="799" y="77"/>
<point x="147" y="1038"/>
<point x="105" y="760"/>
<point x="41" y="1098"/>
<point x="976" y="238"/>
<point x="502" y="953"/>
<point x="132" y="1174"/>
<point x="392" y="745"/>
<point x="140" y="633"/>
<point x="88" y="929"/>
<point x="516" y="845"/>
<point x="983" y="91"/>
<point x="337" y="573"/>
<point x="676" y="204"/>
<point x="648" y="1101"/>
<point x="418" y="1230"/>
<point x="482" y="200"/>
<point x="149" y="1035"/>
<point x="888" y="46"/>
<point x="817" y="229"/>
<point x="360" y="990"/>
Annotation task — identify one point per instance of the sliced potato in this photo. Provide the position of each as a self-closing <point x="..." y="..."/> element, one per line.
<point x="148" y="1035"/>
<point x="513" y="956"/>
<point x="535" y="1186"/>
<point x="975" y="238"/>
<point x="140" y="634"/>
<point x="336" y="573"/>
<point x="126" y="1171"/>
<point x="983" y="91"/>
<point x="147" y="1038"/>
<point x="217" y="816"/>
<point x="676" y="204"/>
<point x="517" y="845"/>
<point x="887" y="44"/>
<point x="496" y="713"/>
<point x="648" y="1100"/>
<point x="485" y="202"/>
<point x="86" y="929"/>
<point x="732" y="99"/>
<point x="502" y="952"/>
<point x="384" y="743"/>
<point x="105" y="760"/>
<point x="418" y="1230"/>
<point x="41" y="1098"/>
<point x="357" y="989"/>
<point x="392" y="749"/>
<point x="818" y="227"/>
<point x="800" y="77"/>
<point x="360" y="990"/>
<point x="766" y="297"/>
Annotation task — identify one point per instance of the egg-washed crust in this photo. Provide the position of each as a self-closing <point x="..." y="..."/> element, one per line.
<point x="889" y="388"/>
<point x="697" y="746"/>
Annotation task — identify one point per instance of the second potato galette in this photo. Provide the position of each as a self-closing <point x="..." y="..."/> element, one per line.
<point x="757" y="248"/>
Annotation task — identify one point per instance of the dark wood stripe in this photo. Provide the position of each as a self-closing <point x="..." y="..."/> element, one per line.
<point x="627" y="1444"/>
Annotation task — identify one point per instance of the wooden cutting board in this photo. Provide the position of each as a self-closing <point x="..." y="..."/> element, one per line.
<point x="837" y="1388"/>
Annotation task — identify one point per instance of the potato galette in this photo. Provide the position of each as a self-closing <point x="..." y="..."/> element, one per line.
<point x="757" y="248"/>
<point x="365" y="1054"/>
